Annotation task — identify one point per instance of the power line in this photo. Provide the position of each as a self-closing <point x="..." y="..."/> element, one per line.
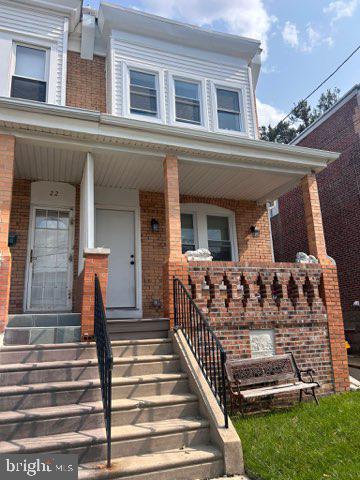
<point x="326" y="79"/>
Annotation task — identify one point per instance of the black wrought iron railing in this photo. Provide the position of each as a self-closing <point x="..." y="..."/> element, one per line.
<point x="203" y="342"/>
<point x="105" y="361"/>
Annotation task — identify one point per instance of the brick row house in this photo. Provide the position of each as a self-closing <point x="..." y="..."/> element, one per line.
<point x="338" y="130"/>
<point x="126" y="141"/>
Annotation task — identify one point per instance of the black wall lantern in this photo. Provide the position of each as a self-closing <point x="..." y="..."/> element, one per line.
<point x="255" y="232"/>
<point x="154" y="225"/>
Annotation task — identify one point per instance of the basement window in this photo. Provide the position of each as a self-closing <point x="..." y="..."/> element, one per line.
<point x="143" y="93"/>
<point x="29" y="78"/>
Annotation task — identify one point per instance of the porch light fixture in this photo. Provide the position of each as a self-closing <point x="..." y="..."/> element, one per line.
<point x="255" y="232"/>
<point x="154" y="225"/>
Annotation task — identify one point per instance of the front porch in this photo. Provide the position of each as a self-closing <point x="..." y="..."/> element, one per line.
<point x="126" y="203"/>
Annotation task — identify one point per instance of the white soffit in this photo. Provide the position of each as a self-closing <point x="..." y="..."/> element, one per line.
<point x="33" y="162"/>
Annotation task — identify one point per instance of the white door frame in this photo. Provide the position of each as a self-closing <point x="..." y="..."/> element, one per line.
<point x="137" y="311"/>
<point x="30" y="243"/>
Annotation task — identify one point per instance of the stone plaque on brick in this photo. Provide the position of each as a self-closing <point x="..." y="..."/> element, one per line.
<point x="262" y="343"/>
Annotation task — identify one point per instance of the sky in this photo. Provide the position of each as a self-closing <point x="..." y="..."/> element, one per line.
<point x="303" y="41"/>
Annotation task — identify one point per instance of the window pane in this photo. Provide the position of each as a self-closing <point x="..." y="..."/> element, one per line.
<point x="142" y="79"/>
<point x="229" y="121"/>
<point x="30" y="62"/>
<point x="28" y="89"/>
<point x="187" y="89"/>
<point x="188" y="111"/>
<point x="218" y="228"/>
<point x="219" y="238"/>
<point x="187" y="232"/>
<point x="143" y="95"/>
<point x="227" y="100"/>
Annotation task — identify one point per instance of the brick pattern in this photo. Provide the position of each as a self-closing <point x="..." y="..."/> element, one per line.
<point x="7" y="155"/>
<point x="338" y="188"/>
<point x="95" y="263"/>
<point x="172" y="208"/>
<point x="331" y="296"/>
<point x="282" y="297"/>
<point x="313" y="219"/>
<point x="86" y="82"/>
<point x="19" y="224"/>
<point x="153" y="245"/>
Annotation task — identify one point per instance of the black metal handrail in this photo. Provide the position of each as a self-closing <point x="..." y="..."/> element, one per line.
<point x="105" y="361"/>
<point x="203" y="342"/>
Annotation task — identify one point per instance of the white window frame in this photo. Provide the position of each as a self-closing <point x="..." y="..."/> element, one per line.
<point x="159" y="84"/>
<point x="204" y="125"/>
<point x="241" y="94"/>
<point x="200" y="211"/>
<point x="48" y="74"/>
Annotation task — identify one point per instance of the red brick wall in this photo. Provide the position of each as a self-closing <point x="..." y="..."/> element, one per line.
<point x="7" y="154"/>
<point x="86" y="82"/>
<point x="19" y="224"/>
<point x="340" y="204"/>
<point x="302" y="329"/>
<point x="153" y="245"/>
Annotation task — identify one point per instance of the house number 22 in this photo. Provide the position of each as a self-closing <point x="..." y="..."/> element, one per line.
<point x="54" y="193"/>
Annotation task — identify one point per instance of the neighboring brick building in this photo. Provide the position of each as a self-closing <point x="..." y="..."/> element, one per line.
<point x="339" y="189"/>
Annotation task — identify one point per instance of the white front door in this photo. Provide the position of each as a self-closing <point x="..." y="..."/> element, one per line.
<point x="50" y="260"/>
<point x="115" y="229"/>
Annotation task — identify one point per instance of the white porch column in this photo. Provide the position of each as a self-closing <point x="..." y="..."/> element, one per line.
<point x="87" y="210"/>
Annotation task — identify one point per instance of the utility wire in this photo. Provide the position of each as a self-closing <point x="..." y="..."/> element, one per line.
<point x="324" y="81"/>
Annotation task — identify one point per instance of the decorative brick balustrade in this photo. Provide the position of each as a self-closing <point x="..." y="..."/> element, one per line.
<point x="284" y="299"/>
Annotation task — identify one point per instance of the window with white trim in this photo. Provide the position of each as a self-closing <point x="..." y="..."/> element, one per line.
<point x="187" y="101"/>
<point x="228" y="109"/>
<point x="29" y="80"/>
<point x="210" y="227"/>
<point x="143" y="93"/>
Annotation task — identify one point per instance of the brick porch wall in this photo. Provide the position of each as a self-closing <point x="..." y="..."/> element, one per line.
<point x="340" y="205"/>
<point x="86" y="82"/>
<point x="153" y="245"/>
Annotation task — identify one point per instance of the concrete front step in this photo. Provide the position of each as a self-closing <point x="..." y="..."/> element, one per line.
<point x="81" y="351"/>
<point x="133" y="329"/>
<point x="38" y="422"/>
<point x="127" y="440"/>
<point x="201" y="462"/>
<point x="25" y="373"/>
<point x="15" y="397"/>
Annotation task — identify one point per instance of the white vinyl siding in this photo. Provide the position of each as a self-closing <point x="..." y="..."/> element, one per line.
<point x="170" y="63"/>
<point x="40" y="28"/>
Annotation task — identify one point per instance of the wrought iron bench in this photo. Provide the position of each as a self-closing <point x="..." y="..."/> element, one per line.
<point x="260" y="377"/>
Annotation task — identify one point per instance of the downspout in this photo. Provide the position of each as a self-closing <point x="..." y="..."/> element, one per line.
<point x="88" y="24"/>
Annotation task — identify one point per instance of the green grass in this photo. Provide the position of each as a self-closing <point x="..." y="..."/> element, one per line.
<point x="305" y="442"/>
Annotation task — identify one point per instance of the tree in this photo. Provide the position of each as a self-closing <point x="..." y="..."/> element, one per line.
<point x="300" y="118"/>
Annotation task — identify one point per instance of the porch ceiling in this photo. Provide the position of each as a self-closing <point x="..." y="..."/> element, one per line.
<point x="143" y="171"/>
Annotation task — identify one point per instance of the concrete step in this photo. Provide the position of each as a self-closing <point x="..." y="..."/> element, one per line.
<point x="25" y="373"/>
<point x="81" y="351"/>
<point x="16" y="397"/>
<point x="202" y="462"/>
<point x="133" y="329"/>
<point x="37" y="422"/>
<point x="127" y="440"/>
